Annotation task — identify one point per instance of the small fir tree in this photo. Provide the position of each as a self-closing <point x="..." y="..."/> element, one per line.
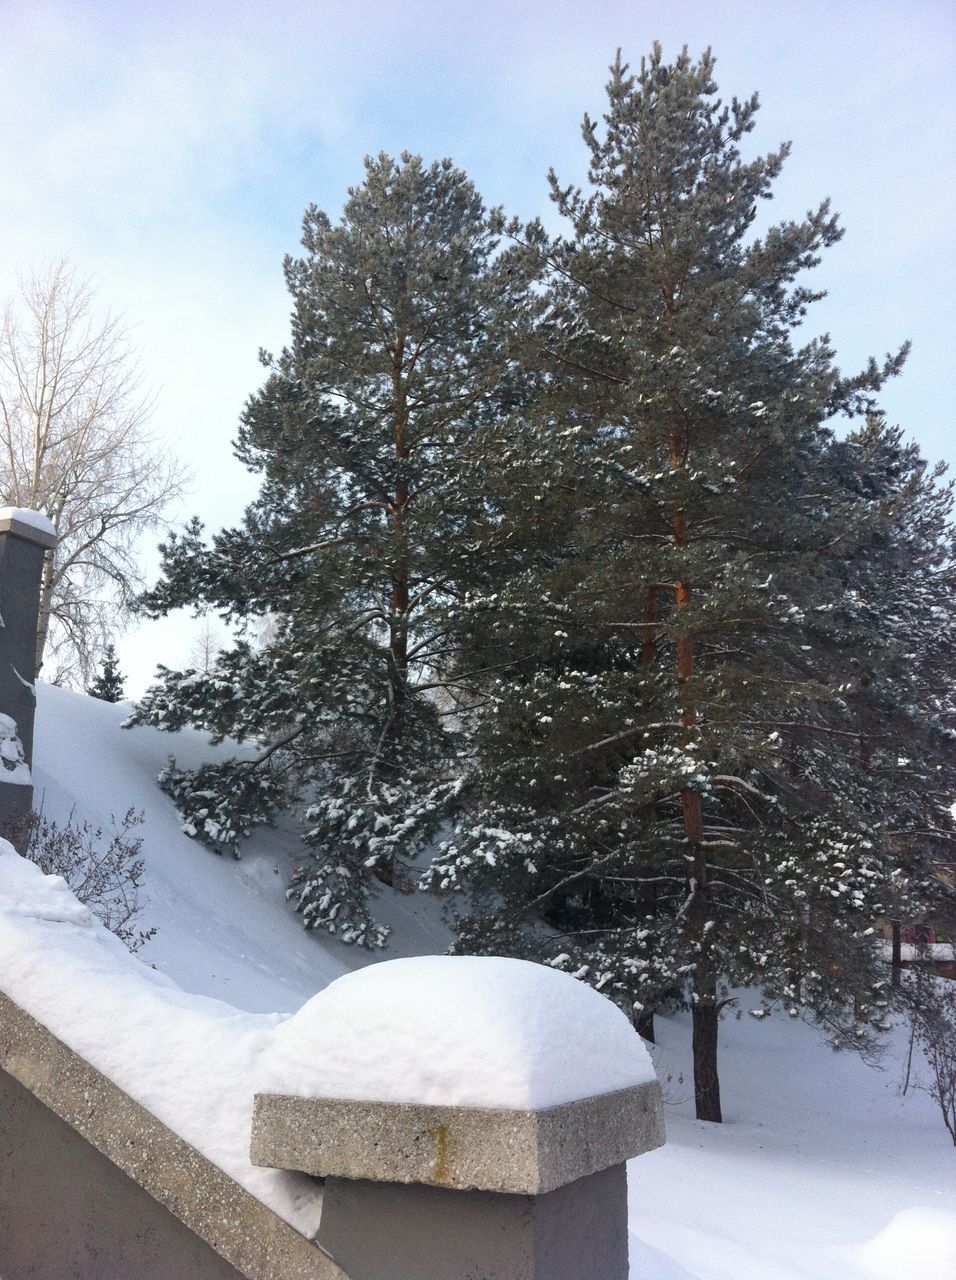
<point x="108" y="685"/>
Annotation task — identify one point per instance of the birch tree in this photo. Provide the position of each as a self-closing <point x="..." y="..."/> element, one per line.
<point x="75" y="443"/>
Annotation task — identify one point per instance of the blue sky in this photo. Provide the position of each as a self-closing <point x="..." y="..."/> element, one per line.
<point x="169" y="150"/>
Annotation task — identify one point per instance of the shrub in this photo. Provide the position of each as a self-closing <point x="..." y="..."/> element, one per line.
<point x="931" y="1006"/>
<point x="103" y="868"/>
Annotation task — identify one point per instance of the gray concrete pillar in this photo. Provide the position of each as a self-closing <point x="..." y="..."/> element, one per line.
<point x="25" y="536"/>
<point x="390" y="1231"/>
<point x="454" y="1193"/>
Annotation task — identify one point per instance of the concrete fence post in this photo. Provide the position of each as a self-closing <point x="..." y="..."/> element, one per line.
<point x="25" y="537"/>
<point x="425" y="1192"/>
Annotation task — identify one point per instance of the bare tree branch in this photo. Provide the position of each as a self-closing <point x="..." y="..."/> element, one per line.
<point x="75" y="444"/>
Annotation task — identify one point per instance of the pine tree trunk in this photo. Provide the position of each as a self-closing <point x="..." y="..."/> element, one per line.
<point x="397" y="658"/>
<point x="704" y="1008"/>
<point x="896" y="961"/>
<point x="706" y="1081"/>
<point x="644" y="1025"/>
<point x="699" y="924"/>
<point x="401" y="595"/>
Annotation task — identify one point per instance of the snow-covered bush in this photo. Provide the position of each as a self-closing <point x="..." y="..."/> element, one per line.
<point x="103" y="868"/>
<point x="220" y="803"/>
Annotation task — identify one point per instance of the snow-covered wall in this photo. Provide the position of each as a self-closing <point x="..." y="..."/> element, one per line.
<point x="192" y="1062"/>
<point x="164" y="1083"/>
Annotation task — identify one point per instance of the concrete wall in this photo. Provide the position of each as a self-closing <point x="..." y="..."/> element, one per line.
<point x="122" y="1170"/>
<point x="68" y="1213"/>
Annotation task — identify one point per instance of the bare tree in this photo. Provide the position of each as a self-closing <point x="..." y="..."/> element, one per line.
<point x="209" y="643"/>
<point x="930" y="1001"/>
<point x="75" y="444"/>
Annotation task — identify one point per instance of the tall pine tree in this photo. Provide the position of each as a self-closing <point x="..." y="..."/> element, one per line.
<point x="669" y="798"/>
<point x="363" y="544"/>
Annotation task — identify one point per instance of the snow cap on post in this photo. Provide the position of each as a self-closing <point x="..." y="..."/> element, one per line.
<point x="34" y="526"/>
<point x="466" y="1072"/>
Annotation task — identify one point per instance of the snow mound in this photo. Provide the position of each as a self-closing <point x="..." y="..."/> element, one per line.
<point x="476" y="1031"/>
<point x="918" y="1241"/>
<point x="26" y="891"/>
<point x="13" y="765"/>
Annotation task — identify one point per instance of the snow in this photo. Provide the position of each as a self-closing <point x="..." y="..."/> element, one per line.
<point x="13" y="766"/>
<point x="925" y="951"/>
<point x="194" y="1062"/>
<point x="35" y="519"/>
<point x="26" y="891"/>
<point x="225" y="928"/>
<point x="818" y="1156"/>
<point x="821" y="1169"/>
<point x="471" y="1031"/>
<point x="923" y="1238"/>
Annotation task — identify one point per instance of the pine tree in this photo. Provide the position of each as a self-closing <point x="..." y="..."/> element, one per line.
<point x="668" y="798"/>
<point x="363" y="544"/>
<point x="108" y="685"/>
<point x="902" y="697"/>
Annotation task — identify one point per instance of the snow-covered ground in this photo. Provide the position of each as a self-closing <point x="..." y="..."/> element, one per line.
<point x="821" y="1169"/>
<point x="224" y="927"/>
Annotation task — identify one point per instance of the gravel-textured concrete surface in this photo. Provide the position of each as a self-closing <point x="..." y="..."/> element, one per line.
<point x="468" y="1148"/>
<point x="238" y="1227"/>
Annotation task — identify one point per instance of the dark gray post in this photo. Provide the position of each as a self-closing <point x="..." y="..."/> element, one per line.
<point x="389" y="1231"/>
<point x="25" y="536"/>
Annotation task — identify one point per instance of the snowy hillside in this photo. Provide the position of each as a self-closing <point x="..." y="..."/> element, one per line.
<point x="224" y="927"/>
<point x="821" y="1170"/>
